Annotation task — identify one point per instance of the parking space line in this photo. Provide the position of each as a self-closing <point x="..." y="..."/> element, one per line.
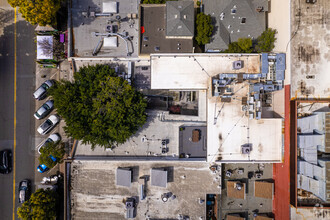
<point x="14" y="147"/>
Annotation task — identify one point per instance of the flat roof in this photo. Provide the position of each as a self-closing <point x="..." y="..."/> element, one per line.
<point x="310" y="60"/>
<point x="193" y="71"/>
<point x="232" y="128"/>
<point x="153" y="20"/>
<point x="263" y="189"/>
<point x="188" y="146"/>
<point x="245" y="206"/>
<point x="83" y="28"/>
<point x="103" y="199"/>
<point x="232" y="192"/>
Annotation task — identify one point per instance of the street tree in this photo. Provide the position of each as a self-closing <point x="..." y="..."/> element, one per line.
<point x="266" y="41"/>
<point x="40" y="12"/>
<point x="56" y="150"/>
<point x="41" y="205"/>
<point x="99" y="107"/>
<point x="204" y="28"/>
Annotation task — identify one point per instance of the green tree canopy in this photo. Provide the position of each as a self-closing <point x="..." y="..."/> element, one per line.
<point x="234" y="48"/>
<point x="204" y="28"/>
<point x="243" y="45"/>
<point x="266" y="41"/>
<point x="56" y="150"/>
<point x="41" y="205"/>
<point x="40" y="12"/>
<point x="98" y="107"/>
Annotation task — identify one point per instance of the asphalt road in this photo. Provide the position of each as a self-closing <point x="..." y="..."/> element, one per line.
<point x="25" y="105"/>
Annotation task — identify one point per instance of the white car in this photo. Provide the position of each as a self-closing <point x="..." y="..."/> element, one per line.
<point x="41" y="92"/>
<point x="44" y="110"/>
<point x="48" y="125"/>
<point x="53" y="138"/>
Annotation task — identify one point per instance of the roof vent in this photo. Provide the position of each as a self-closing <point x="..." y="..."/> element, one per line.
<point x="175" y="16"/>
<point x="229" y="26"/>
<point x="180" y="6"/>
<point x="185" y="16"/>
<point x="259" y="9"/>
<point x="246" y="148"/>
<point x="179" y="27"/>
<point x="243" y="20"/>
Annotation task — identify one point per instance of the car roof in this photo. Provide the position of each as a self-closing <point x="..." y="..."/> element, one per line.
<point x="38" y="92"/>
<point x="54" y="118"/>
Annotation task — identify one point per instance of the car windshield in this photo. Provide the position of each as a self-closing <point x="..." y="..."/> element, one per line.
<point x="45" y="86"/>
<point x="47" y="124"/>
<point x="45" y="106"/>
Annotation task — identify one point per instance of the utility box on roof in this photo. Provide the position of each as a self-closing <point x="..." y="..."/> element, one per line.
<point x="239" y="64"/>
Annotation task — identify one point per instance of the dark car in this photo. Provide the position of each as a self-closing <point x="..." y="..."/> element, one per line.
<point x="5" y="161"/>
<point x="24" y="191"/>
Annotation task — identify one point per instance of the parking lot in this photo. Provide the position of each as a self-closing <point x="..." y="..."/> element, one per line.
<point x="42" y="74"/>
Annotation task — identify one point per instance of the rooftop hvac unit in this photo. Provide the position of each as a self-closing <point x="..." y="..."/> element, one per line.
<point x="239" y="186"/>
<point x="246" y="148"/>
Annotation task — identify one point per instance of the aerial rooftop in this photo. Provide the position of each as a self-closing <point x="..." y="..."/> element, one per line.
<point x="105" y="28"/>
<point x="155" y="25"/>
<point x="235" y="19"/>
<point x="103" y="199"/>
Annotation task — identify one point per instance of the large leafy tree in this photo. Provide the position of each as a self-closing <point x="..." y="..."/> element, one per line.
<point x="204" y="28"/>
<point x="56" y="150"/>
<point x="243" y="45"/>
<point x="40" y="12"/>
<point x="266" y="41"/>
<point x="41" y="205"/>
<point x="99" y="107"/>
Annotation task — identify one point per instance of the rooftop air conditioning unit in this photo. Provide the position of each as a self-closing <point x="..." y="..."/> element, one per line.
<point x="246" y="148"/>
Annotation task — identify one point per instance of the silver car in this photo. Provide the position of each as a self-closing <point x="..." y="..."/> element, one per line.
<point x="41" y="92"/>
<point x="24" y="191"/>
<point x="48" y="125"/>
<point x="53" y="138"/>
<point x="44" y="110"/>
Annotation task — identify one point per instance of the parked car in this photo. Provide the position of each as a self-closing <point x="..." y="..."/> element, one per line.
<point x="44" y="110"/>
<point x="5" y="161"/>
<point x="43" y="168"/>
<point x="41" y="92"/>
<point x="24" y="191"/>
<point x="53" y="138"/>
<point x="48" y="125"/>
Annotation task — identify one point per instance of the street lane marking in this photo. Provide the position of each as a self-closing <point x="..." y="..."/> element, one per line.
<point x="14" y="148"/>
